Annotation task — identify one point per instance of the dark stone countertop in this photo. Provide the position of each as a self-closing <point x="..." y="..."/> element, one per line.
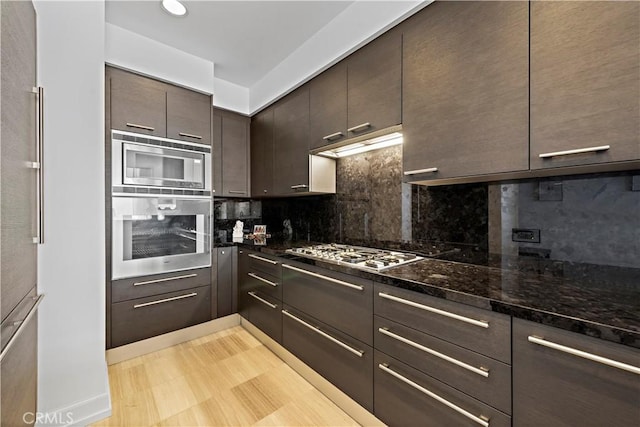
<point x="594" y="300"/>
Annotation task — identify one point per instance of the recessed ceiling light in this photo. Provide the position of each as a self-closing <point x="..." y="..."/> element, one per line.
<point x="174" y="7"/>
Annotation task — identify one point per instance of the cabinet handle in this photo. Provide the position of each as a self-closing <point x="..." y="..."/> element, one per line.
<point x="23" y="323"/>
<point x="576" y="151"/>
<point x="317" y="330"/>
<point x="189" y="135"/>
<point x="264" y="301"/>
<point x="133" y="125"/>
<point x="160" y="301"/>
<point x="262" y="279"/>
<point x="295" y="187"/>
<point x="166" y="279"/>
<point x="360" y="127"/>
<point x="320" y="276"/>
<point x="332" y="136"/>
<point x="482" y="420"/>
<point x="417" y="171"/>
<point x="481" y="323"/>
<point x="259" y="258"/>
<point x="38" y="165"/>
<point x="589" y="356"/>
<point x="480" y="371"/>
<point x="236" y="192"/>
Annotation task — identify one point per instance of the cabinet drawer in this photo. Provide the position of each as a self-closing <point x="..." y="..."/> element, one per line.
<point x="342" y="301"/>
<point x="473" y="328"/>
<point x="264" y="313"/>
<point x="264" y="283"/>
<point x="260" y="263"/>
<point x="404" y="396"/>
<point x="481" y="377"/>
<point x="344" y="361"/>
<point x="147" y="317"/>
<point x="555" y="383"/>
<point x="140" y="287"/>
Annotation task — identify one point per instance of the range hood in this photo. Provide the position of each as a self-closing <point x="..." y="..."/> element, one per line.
<point x="372" y="141"/>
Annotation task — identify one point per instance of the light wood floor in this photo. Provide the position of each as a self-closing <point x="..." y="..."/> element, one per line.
<point x="228" y="378"/>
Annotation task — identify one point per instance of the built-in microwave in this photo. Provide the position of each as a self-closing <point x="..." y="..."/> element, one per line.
<point x="152" y="235"/>
<point x="147" y="164"/>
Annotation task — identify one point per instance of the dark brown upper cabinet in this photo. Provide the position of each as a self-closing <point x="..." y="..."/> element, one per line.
<point x="262" y="153"/>
<point x="291" y="143"/>
<point x="465" y="96"/>
<point x="188" y="115"/>
<point x="328" y="106"/>
<point x="585" y="83"/>
<point x="230" y="154"/>
<point x="138" y="104"/>
<point x="374" y="85"/>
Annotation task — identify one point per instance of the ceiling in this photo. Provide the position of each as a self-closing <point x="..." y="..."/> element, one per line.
<point x="244" y="39"/>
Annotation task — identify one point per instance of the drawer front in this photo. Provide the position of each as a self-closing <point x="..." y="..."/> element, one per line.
<point x="486" y="379"/>
<point x="142" y="318"/>
<point x="344" y="361"/>
<point x="260" y="263"/>
<point x="406" y="397"/>
<point x="263" y="283"/>
<point x="264" y="313"/>
<point x="339" y="300"/>
<point x="473" y="328"/>
<point x="156" y="284"/>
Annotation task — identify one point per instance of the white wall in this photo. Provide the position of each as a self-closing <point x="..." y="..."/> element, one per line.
<point x="358" y="24"/>
<point x="134" y="52"/>
<point x="231" y="96"/>
<point x="72" y="371"/>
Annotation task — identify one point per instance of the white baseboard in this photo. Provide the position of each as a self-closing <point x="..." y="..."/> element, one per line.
<point x="337" y="396"/>
<point x="160" y="342"/>
<point x="81" y="413"/>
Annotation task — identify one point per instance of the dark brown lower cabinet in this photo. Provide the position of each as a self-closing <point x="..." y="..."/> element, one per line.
<point x="344" y="361"/>
<point x="225" y="268"/>
<point x="405" y="396"/>
<point x="264" y="313"/>
<point x="243" y="285"/>
<point x="555" y="386"/>
<point x="141" y="318"/>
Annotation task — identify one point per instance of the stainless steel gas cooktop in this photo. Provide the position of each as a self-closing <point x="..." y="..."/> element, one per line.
<point x="355" y="256"/>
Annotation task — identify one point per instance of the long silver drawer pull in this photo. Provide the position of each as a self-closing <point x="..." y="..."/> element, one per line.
<point x="417" y="171"/>
<point x="262" y="279"/>
<point x="576" y="151"/>
<point x="237" y="192"/>
<point x="23" y="324"/>
<point x="320" y="276"/>
<point x="166" y="279"/>
<point x="295" y="187"/>
<point x="189" y="135"/>
<point x="160" y="301"/>
<point x="589" y="356"/>
<point x="481" y="323"/>
<point x="317" y="330"/>
<point x="133" y="125"/>
<point x="360" y="127"/>
<point x="259" y="258"/>
<point x="480" y="371"/>
<point x="333" y="135"/>
<point x="482" y="420"/>
<point x="264" y="301"/>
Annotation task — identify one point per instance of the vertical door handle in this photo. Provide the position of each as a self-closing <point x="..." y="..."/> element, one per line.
<point x="38" y="165"/>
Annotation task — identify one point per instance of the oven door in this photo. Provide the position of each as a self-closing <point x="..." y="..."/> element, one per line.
<point x="162" y="167"/>
<point x="154" y="235"/>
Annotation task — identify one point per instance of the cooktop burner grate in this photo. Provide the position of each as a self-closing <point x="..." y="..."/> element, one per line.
<point x="356" y="256"/>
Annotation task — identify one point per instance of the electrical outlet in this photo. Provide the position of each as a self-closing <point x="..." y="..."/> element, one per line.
<point x="531" y="235"/>
<point x="550" y="191"/>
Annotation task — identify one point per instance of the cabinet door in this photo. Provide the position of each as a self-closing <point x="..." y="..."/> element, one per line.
<point x="328" y="106"/>
<point x="375" y="85"/>
<point x="585" y="82"/>
<point x="244" y="285"/>
<point x="291" y="153"/>
<point x="227" y="281"/>
<point x="232" y="156"/>
<point x="264" y="313"/>
<point x="188" y="115"/>
<point x="465" y="90"/>
<point x="262" y="153"/>
<point x="552" y="387"/>
<point x="138" y="104"/>
<point x="18" y="127"/>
